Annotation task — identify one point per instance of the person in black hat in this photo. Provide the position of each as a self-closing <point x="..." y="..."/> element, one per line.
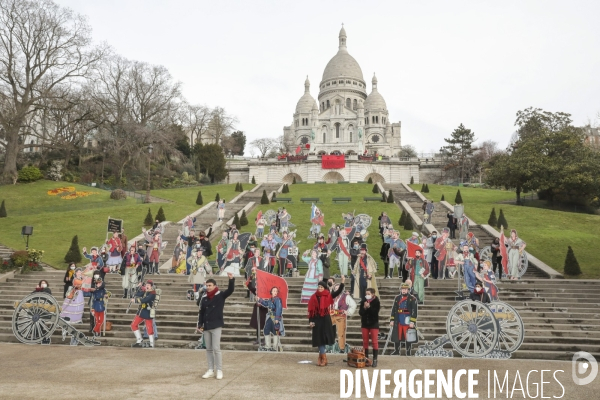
<point x="98" y="306"/>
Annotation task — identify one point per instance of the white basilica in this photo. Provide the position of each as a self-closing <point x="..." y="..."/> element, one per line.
<point x="345" y="118"/>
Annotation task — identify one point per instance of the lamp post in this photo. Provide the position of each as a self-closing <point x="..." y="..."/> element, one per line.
<point x="150" y="147"/>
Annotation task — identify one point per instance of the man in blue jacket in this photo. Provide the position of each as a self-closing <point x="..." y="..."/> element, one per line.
<point x="145" y="298"/>
<point x="210" y="322"/>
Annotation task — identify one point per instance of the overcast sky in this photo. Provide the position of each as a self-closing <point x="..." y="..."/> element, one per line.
<point x="438" y="63"/>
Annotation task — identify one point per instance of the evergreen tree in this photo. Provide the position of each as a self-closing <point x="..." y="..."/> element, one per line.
<point x="217" y="198"/>
<point x="241" y="187"/>
<point x="148" y="221"/>
<point x="370" y="180"/>
<point x="274" y="197"/>
<point x="3" y="210"/>
<point x="402" y="219"/>
<point x="408" y="224"/>
<point x="502" y="221"/>
<point x="459" y="150"/>
<point x="375" y="188"/>
<point x="199" y="200"/>
<point x="458" y="199"/>
<point x="285" y="189"/>
<point x="253" y="180"/>
<point x="571" y="265"/>
<point x="423" y="188"/>
<point x="243" y="219"/>
<point x="390" y="198"/>
<point x="264" y="199"/>
<point x="294" y="181"/>
<point x="443" y="198"/>
<point x="426" y="188"/>
<point x="160" y="215"/>
<point x="492" y="220"/>
<point x="412" y="180"/>
<point x="236" y="221"/>
<point x="73" y="255"/>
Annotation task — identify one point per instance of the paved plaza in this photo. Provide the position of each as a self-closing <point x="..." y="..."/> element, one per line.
<point x="53" y="372"/>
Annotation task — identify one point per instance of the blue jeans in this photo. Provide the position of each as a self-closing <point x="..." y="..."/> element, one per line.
<point x="321" y="349"/>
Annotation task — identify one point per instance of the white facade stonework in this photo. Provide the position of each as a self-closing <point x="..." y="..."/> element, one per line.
<point x="345" y="118"/>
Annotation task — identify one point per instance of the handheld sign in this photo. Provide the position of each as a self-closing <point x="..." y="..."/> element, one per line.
<point x="114" y="225"/>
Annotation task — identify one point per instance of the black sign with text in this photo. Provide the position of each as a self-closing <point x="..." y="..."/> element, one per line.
<point x="115" y="225"/>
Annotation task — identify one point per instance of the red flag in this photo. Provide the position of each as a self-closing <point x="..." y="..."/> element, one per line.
<point x="266" y="281"/>
<point x="412" y="248"/>
<point x="258" y="216"/>
<point x="298" y="149"/>
<point x="503" y="251"/>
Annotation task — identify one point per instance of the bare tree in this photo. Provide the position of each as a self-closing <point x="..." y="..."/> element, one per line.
<point x="407" y="151"/>
<point x="195" y="120"/>
<point x="43" y="48"/>
<point x="262" y="145"/>
<point x="221" y="125"/>
<point x="138" y="106"/>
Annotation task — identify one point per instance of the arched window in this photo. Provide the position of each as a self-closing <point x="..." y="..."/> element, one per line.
<point x="327" y="103"/>
<point x="324" y="137"/>
<point x="337" y="130"/>
<point x="351" y="137"/>
<point x="322" y="106"/>
<point x="348" y="103"/>
<point x="354" y="105"/>
<point x="377" y="119"/>
<point x="373" y="119"/>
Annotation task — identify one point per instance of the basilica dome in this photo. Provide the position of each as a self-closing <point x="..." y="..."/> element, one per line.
<point x="375" y="100"/>
<point x="306" y="103"/>
<point x="342" y="64"/>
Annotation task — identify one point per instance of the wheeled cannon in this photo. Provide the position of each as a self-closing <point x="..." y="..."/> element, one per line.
<point x="478" y="330"/>
<point x="37" y="316"/>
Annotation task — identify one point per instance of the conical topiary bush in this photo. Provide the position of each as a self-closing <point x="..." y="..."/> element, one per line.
<point x="148" y="221"/>
<point x="217" y="198"/>
<point x="390" y="198"/>
<point x="243" y="219"/>
<point x="199" y="200"/>
<point x="458" y="199"/>
<point x="402" y="219"/>
<point x="160" y="215"/>
<point x="73" y="255"/>
<point x="571" y="265"/>
<point x="375" y="188"/>
<point x="492" y="220"/>
<point x="236" y="221"/>
<point x="370" y="180"/>
<point x="502" y="221"/>
<point x="264" y="199"/>
<point x="3" y="213"/>
<point x="253" y="180"/>
<point x="408" y="224"/>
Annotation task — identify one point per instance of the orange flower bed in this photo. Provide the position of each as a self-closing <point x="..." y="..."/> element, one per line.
<point x="69" y="193"/>
<point x="58" y="191"/>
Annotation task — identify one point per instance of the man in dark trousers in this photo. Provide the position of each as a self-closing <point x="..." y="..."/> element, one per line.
<point x="203" y="242"/>
<point x="402" y="318"/>
<point x="210" y="323"/>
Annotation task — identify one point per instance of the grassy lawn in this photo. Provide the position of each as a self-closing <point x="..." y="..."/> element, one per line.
<point x="548" y="233"/>
<point x="56" y="221"/>
<point x="300" y="213"/>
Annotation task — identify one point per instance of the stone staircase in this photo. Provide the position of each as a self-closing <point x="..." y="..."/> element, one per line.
<point x="439" y="220"/>
<point x="561" y="317"/>
<point x="257" y="194"/>
<point x="5" y="253"/>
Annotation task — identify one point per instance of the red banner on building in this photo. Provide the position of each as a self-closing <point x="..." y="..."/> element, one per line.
<point x="266" y="281"/>
<point x="333" y="162"/>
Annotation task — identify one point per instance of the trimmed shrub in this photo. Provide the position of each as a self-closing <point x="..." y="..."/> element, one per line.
<point x="423" y="188"/>
<point x="160" y="215"/>
<point x="274" y="197"/>
<point x="264" y="199"/>
<point x="217" y="198"/>
<point x="285" y="189"/>
<point x="370" y="180"/>
<point x="19" y="258"/>
<point x="408" y="224"/>
<point x="118" y="194"/>
<point x="3" y="210"/>
<point x="458" y="199"/>
<point x="502" y="221"/>
<point x="236" y="221"/>
<point x="402" y="219"/>
<point x="443" y="198"/>
<point x="253" y="180"/>
<point x="199" y="200"/>
<point x="294" y="181"/>
<point x="571" y="265"/>
<point x="375" y="188"/>
<point x="148" y="221"/>
<point x="412" y="180"/>
<point x="390" y="198"/>
<point x="30" y="174"/>
<point x="241" y="189"/>
<point x="243" y="219"/>
<point x="492" y="220"/>
<point x="237" y="187"/>
<point x="73" y="255"/>
<point x="426" y="188"/>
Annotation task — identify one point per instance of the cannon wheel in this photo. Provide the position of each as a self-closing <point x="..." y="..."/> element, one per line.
<point x="35" y="318"/>
<point x="486" y="254"/>
<point x="472" y="333"/>
<point x="512" y="330"/>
